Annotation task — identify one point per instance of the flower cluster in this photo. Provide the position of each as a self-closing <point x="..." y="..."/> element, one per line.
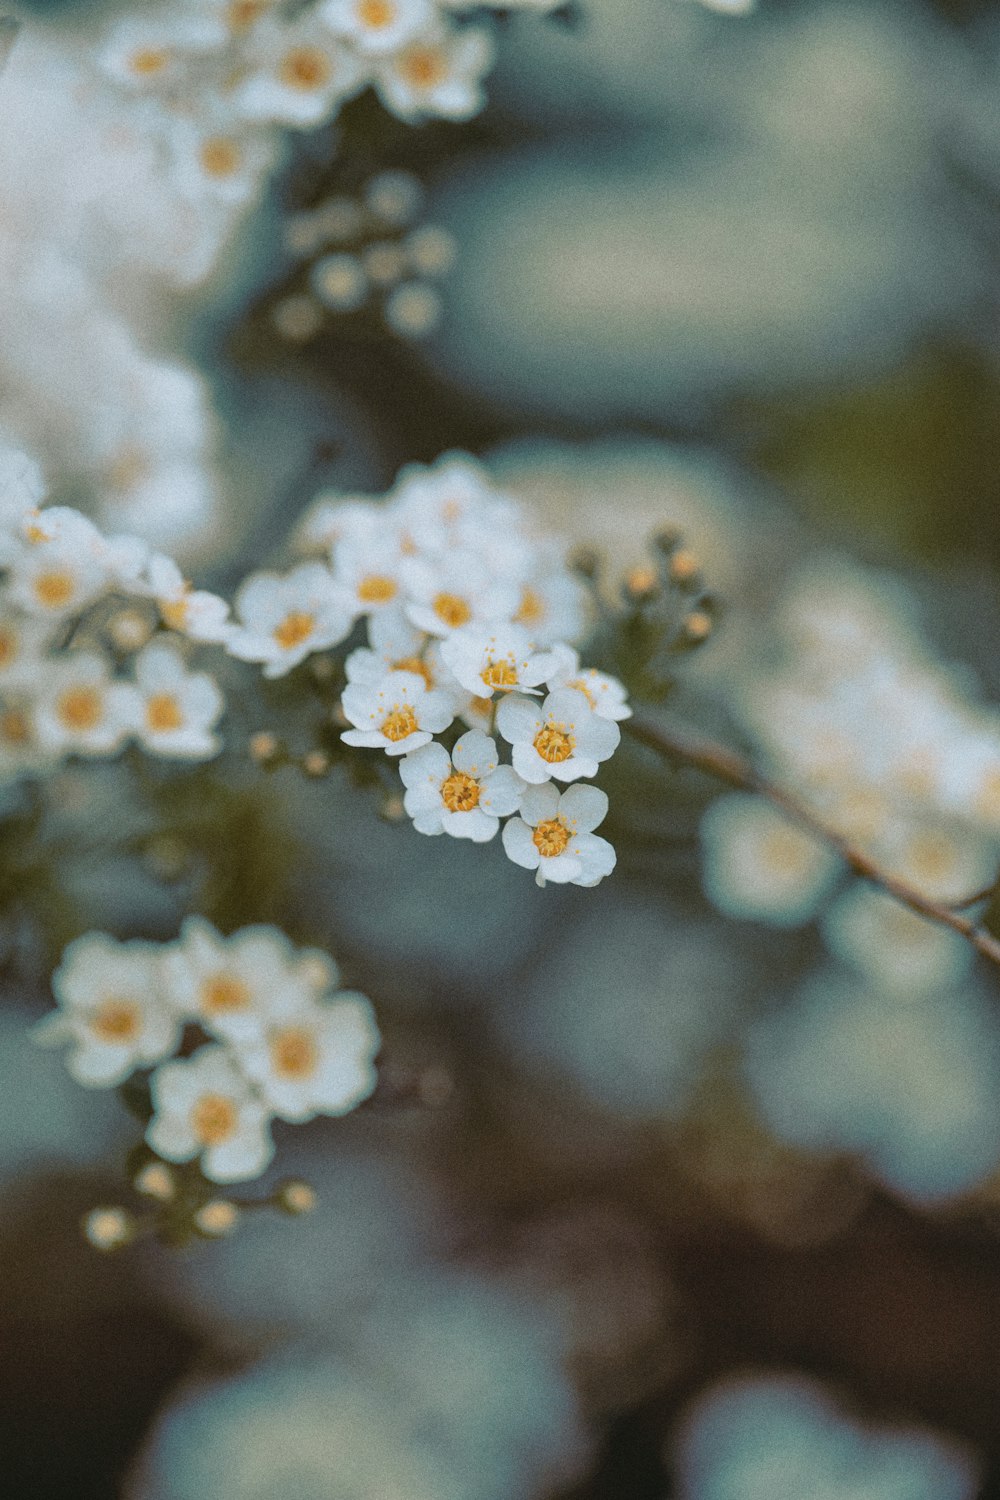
<point x="367" y="254"/>
<point x="890" y="748"/>
<point x="468" y="617"/>
<point x="278" y="1039"/>
<point x="250" y="66"/>
<point x="60" y="697"/>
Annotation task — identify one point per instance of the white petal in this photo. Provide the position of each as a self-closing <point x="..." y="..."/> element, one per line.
<point x="475" y="825"/>
<point x="540" y="803"/>
<point x="584" y="807"/>
<point x="519" y="845"/>
<point x="501" y="792"/>
<point x="529" y="765"/>
<point x="475" y="754"/>
<point x="428" y="765"/>
<point x="518" y="718"/>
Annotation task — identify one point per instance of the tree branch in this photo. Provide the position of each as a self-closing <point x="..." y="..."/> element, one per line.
<point x="685" y="748"/>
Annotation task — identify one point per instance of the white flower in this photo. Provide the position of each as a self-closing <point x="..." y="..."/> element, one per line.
<point x="23" y="640"/>
<point x="553" y="605"/>
<point x="487" y="660"/>
<point x="554" y="835"/>
<point x="452" y="505"/>
<point x="113" y="1009"/>
<point x="80" y="708"/>
<point x="205" y="1107"/>
<point x="437" y="73"/>
<point x="395" y="714"/>
<point x="62" y="565"/>
<point x="377" y="25"/>
<point x="219" y="159"/>
<point x="897" y="949"/>
<point x="146" y="54"/>
<point x="315" y="1057"/>
<point x="192" y="612"/>
<point x="368" y="565"/>
<point x="464" y="794"/>
<point x="333" y="518"/>
<point x="562" y="737"/>
<point x="228" y="984"/>
<point x="761" y="867"/>
<point x="300" y="73"/>
<point x="395" y="646"/>
<point x="605" y="694"/>
<point x="284" y="618"/>
<point x="22" y="490"/>
<point x="456" y="590"/>
<point x="178" y="709"/>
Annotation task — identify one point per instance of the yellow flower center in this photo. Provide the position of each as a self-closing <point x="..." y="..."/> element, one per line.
<point x="163" y="713"/>
<point x="377" y="588"/>
<point x="554" y="744"/>
<point x="376" y="13"/>
<point x="55" y="588"/>
<point x="931" y="856"/>
<point x="784" y="851"/>
<point x="223" y="993"/>
<point x="8" y="647"/>
<point x="294" y="1053"/>
<point x="116" y="1020"/>
<point x="414" y="664"/>
<point x="220" y="156"/>
<point x="15" y="727"/>
<point x="499" y="674"/>
<point x="581" y="687"/>
<point x="531" y="608"/>
<point x="452" y="610"/>
<point x="174" y="612"/>
<point x="459" y="792"/>
<point x="987" y="803"/>
<point x="241" y="14"/>
<point x="305" y="68"/>
<point x="214" y="1119"/>
<point x="422" y="67"/>
<point x="550" y="838"/>
<point x="400" y="722"/>
<point x="79" y="708"/>
<point x="296" y="627"/>
<point x="149" y="61"/>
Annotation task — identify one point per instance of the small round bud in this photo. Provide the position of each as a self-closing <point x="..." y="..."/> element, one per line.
<point x="698" y="625"/>
<point x="413" y="309"/>
<point x="684" y="566"/>
<point x="155" y="1181"/>
<point x="108" y="1228"/>
<point x="295" y="1197"/>
<point x="264" y="746"/>
<point x="316" y="763"/>
<point x="385" y="262"/>
<point x="129" y="629"/>
<point x="297" y="318"/>
<point x="640" y="582"/>
<point x="393" y="809"/>
<point x="217" y="1218"/>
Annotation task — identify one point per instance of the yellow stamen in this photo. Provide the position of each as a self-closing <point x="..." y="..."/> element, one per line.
<point x="400" y="722"/>
<point x="55" y="588"/>
<point x="163" y="713"/>
<point x="294" y="1053"/>
<point x="223" y="993"/>
<point x="452" y="610"/>
<point x="376" y="13"/>
<point x="116" y="1020"/>
<point x="459" y="792"/>
<point x="79" y="708"/>
<point x="499" y="674"/>
<point x="220" y="156"/>
<point x="296" y="627"/>
<point x="214" y="1119"/>
<point x="305" y="68"/>
<point x="550" y="838"/>
<point x="553" y="744"/>
<point x="377" y="588"/>
<point x="422" y="67"/>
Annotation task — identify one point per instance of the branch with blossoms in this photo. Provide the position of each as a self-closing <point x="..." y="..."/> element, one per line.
<point x="682" y="747"/>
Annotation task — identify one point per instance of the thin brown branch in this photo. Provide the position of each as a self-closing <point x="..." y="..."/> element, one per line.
<point x="686" y="748"/>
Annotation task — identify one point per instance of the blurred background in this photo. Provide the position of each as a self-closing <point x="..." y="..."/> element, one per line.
<point x="686" y="1186"/>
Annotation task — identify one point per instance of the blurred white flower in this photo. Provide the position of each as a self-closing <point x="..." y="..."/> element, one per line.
<point x="23" y="641"/>
<point x="204" y="1107"/>
<point x="501" y="659"/>
<point x="554" y="835"/>
<point x="465" y="793"/>
<point x="283" y="618"/>
<point x="178" y="709"/>
<point x="438" y="73"/>
<point x="315" y="1057"/>
<point x="297" y="74"/>
<point x="458" y="588"/>
<point x="605" y="694"/>
<point x="377" y="26"/>
<point x="192" y="612"/>
<point x="781" y="1437"/>
<point x="229" y="984"/>
<point x="113" y="1010"/>
<point x="79" y="709"/>
<point x="760" y="866"/>
<point x="893" y="946"/>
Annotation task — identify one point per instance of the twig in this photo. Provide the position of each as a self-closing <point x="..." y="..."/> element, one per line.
<point x="719" y="761"/>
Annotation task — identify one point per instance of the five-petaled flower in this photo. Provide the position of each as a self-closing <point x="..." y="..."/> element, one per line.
<point x="465" y="793"/>
<point x="554" y="835"/>
<point x="562" y="737"/>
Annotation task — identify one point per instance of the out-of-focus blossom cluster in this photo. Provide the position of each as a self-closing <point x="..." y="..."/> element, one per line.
<point x="468" y="616"/>
<point x="280" y="1039"/>
<point x="367" y="255"/>
<point x="771" y="1437"/>
<point x="75" y="605"/>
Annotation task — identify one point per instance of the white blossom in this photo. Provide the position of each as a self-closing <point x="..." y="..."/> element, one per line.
<point x="562" y="737"/>
<point x="498" y="659"/>
<point x="554" y="835"/>
<point x="229" y="984"/>
<point x="396" y="714"/>
<point x="605" y="694"/>
<point x="283" y="618"/>
<point x="761" y="866"/>
<point x="204" y="1107"/>
<point x="377" y="26"/>
<point x="80" y="709"/>
<point x="464" y="794"/>
<point x="113" y="1009"/>
<point x="298" y="74"/>
<point x="436" y="74"/>
<point x="314" y="1057"/>
<point x="192" y="612"/>
<point x="178" y="709"/>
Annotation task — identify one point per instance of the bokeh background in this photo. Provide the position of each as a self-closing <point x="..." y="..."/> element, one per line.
<point x="656" y="1198"/>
